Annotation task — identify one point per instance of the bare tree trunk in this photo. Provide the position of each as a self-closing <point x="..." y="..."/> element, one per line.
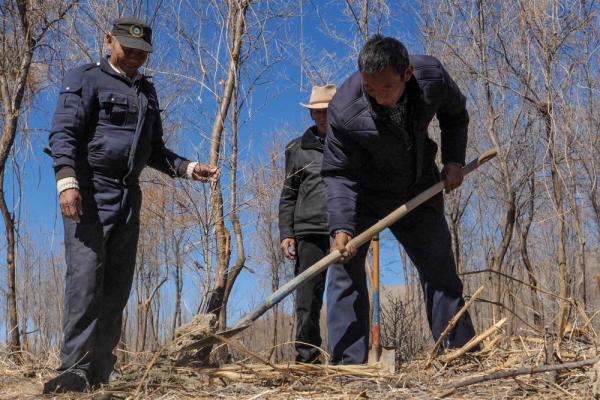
<point x="557" y="192"/>
<point x="235" y="221"/>
<point x="216" y="303"/>
<point x="14" y="73"/>
<point x="541" y="24"/>
<point x="139" y="301"/>
<point x="362" y="21"/>
<point x="122" y="345"/>
<point x="178" y="286"/>
<point x="580" y="281"/>
<point x="364" y="18"/>
<point x="456" y="210"/>
<point x="13" y="314"/>
<point x="274" y="287"/>
<point x="524" y="231"/>
<point x="510" y="214"/>
<point x="591" y="140"/>
<point x="455" y="239"/>
<point x="11" y="109"/>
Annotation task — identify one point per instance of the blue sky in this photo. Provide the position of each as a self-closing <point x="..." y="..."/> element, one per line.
<point x="276" y="118"/>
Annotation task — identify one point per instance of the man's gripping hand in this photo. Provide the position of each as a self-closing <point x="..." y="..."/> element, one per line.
<point x="70" y="204"/>
<point x="288" y="248"/>
<point x="452" y="175"/>
<point x="340" y="243"/>
<point x="205" y="173"/>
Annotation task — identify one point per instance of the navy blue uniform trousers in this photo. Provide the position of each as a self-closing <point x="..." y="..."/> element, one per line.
<point x="100" y="253"/>
<point x="425" y="236"/>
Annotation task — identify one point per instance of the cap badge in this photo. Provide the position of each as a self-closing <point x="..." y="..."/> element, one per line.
<point x="136" y="31"/>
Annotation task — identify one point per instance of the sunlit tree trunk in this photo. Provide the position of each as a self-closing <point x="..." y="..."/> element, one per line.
<point x="236" y="19"/>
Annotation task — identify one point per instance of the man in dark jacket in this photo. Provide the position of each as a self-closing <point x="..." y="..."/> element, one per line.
<point x="303" y="221"/>
<point x="377" y="156"/>
<point x="106" y="129"/>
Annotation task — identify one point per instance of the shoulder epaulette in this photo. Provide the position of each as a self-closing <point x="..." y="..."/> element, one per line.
<point x="88" y="66"/>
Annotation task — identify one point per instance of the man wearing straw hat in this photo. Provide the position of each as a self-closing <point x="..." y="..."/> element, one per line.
<point x="377" y="156"/>
<point x="303" y="221"/>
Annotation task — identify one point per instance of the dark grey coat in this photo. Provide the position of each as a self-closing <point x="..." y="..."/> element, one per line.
<point x="302" y="206"/>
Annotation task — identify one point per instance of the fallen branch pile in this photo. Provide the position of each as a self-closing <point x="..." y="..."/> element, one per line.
<point x="504" y="368"/>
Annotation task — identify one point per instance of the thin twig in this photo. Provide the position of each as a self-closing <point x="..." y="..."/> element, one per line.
<point x="241" y="348"/>
<point x="151" y="364"/>
<point x="451" y="325"/>
<point x="473" y="342"/>
<point x="521" y="371"/>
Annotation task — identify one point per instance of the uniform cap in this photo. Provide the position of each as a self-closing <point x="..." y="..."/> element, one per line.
<point x="134" y="33"/>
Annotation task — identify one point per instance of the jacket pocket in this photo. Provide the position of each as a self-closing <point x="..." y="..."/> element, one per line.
<point x="116" y="107"/>
<point x="95" y="151"/>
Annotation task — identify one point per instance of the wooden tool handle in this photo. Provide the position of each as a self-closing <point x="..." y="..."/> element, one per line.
<point x="358" y="241"/>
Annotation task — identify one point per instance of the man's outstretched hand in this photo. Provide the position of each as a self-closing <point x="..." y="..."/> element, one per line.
<point x="452" y="175"/>
<point x="205" y="173"/>
<point x="340" y="243"/>
<point x="70" y="204"/>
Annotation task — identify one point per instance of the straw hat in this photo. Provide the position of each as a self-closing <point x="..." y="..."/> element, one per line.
<point x="320" y="97"/>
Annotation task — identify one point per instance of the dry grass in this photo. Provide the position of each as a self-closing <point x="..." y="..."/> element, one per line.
<point x="249" y="380"/>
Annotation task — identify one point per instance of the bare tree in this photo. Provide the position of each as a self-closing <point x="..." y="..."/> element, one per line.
<point x="520" y="64"/>
<point x="23" y="28"/>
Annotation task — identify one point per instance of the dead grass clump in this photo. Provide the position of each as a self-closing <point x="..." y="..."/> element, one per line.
<point x="506" y="367"/>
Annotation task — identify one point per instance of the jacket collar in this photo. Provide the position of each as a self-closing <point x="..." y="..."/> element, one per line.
<point x="109" y="69"/>
<point x="310" y="140"/>
<point x="413" y="93"/>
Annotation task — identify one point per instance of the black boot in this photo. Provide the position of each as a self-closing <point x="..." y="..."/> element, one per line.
<point x="105" y="379"/>
<point x="73" y="380"/>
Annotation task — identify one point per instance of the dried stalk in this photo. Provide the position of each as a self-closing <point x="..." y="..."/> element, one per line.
<point x="473" y="342"/>
<point x="520" y="371"/>
<point x="451" y="325"/>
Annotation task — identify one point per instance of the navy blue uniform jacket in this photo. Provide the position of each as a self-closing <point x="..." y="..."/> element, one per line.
<point x="360" y="163"/>
<point x="107" y="128"/>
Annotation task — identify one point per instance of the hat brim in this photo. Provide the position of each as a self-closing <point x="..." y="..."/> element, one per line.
<point x="316" y="106"/>
<point x="134" y="43"/>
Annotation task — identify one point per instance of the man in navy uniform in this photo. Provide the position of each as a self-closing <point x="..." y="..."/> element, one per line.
<point x="106" y="129"/>
<point x="303" y="221"/>
<point x="377" y="156"/>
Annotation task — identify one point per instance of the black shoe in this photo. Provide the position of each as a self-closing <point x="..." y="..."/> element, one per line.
<point x="112" y="378"/>
<point x="73" y="380"/>
<point x="314" y="359"/>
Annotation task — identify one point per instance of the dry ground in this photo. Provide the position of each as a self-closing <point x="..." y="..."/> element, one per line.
<point x="250" y="379"/>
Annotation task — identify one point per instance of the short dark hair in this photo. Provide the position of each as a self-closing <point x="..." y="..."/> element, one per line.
<point x="380" y="52"/>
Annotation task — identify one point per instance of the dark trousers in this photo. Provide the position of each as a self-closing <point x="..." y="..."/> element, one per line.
<point x="100" y="253"/>
<point x="309" y="298"/>
<point x="425" y="237"/>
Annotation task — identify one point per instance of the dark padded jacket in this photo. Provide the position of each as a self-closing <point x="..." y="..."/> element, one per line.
<point x="107" y="125"/>
<point x="360" y="165"/>
<point x="302" y="206"/>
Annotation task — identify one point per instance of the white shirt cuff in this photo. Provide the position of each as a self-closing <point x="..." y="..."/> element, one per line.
<point x="67" y="183"/>
<point x="189" y="172"/>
